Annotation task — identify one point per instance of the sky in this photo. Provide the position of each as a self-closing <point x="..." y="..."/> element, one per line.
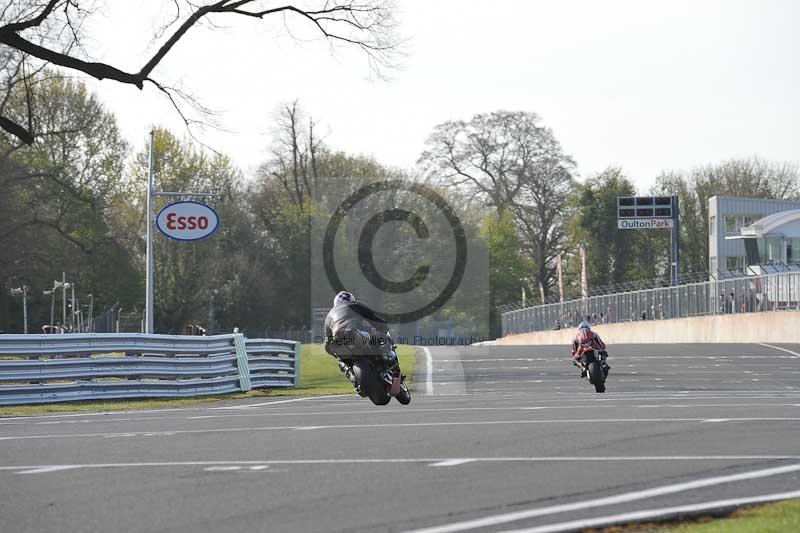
<point x="648" y="86"/>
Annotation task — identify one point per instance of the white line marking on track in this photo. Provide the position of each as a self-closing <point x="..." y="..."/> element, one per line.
<point x="428" y="371"/>
<point x="274" y="402"/>
<point x="580" y="404"/>
<point x="495" y="520"/>
<point x="453" y="462"/>
<point x="350" y="461"/>
<point x="102" y="413"/>
<point x="638" y="516"/>
<point x="402" y="425"/>
<point x="781" y="349"/>
<point x="48" y="469"/>
<point x="397" y="425"/>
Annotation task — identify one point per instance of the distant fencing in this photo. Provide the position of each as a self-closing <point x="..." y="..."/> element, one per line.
<point x="59" y="368"/>
<point x="749" y="294"/>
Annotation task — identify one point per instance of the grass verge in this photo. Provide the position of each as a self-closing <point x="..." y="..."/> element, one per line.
<point x="319" y="376"/>
<point x="780" y="517"/>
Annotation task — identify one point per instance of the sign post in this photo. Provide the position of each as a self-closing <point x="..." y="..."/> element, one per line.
<point x="148" y="299"/>
<point x="653" y="212"/>
<point x="675" y="242"/>
<point x="173" y="227"/>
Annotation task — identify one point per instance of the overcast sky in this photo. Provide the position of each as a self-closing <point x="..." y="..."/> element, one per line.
<point x="644" y="85"/>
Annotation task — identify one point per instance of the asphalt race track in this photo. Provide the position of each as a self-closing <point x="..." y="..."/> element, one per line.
<point x="509" y="439"/>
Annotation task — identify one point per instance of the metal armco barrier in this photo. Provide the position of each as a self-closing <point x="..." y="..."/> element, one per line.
<point x="59" y="368"/>
<point x="749" y="294"/>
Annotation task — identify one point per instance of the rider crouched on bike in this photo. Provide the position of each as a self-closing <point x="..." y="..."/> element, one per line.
<point x="345" y="319"/>
<point x="585" y="335"/>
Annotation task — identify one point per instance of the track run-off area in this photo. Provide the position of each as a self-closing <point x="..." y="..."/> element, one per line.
<point x="497" y="438"/>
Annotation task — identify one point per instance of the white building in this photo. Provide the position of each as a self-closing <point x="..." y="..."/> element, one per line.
<point x="747" y="232"/>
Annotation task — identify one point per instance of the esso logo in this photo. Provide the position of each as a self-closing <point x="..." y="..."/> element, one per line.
<point x="187" y="221"/>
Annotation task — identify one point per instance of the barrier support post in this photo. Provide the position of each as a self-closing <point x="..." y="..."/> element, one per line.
<point x="241" y="362"/>
<point x="297" y="365"/>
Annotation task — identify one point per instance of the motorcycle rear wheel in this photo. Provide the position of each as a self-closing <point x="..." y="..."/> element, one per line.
<point x="596" y="377"/>
<point x="370" y="383"/>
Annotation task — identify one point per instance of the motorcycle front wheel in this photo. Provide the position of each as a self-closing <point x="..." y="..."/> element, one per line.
<point x="404" y="396"/>
<point x="370" y="382"/>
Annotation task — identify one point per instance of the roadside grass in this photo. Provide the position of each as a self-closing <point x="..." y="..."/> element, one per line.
<point x="319" y="376"/>
<point x="780" y="517"/>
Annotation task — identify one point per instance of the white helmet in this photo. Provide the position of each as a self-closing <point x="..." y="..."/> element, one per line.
<point x="343" y="296"/>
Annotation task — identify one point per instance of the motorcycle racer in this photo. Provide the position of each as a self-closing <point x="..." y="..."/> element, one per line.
<point x="586" y="336"/>
<point x="344" y="334"/>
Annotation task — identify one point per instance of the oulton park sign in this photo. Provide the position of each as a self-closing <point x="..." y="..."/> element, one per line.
<point x="646" y="223"/>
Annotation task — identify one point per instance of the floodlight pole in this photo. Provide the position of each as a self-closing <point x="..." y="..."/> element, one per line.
<point x="24" y="292"/>
<point x="64" y="288"/>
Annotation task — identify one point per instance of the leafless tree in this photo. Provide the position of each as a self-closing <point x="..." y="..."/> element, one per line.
<point x="514" y="164"/>
<point x="295" y="153"/>
<point x="53" y="32"/>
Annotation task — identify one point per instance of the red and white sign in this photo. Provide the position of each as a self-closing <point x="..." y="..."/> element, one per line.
<point x="187" y="221"/>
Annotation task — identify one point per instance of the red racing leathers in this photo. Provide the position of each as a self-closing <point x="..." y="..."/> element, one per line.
<point x="584" y="336"/>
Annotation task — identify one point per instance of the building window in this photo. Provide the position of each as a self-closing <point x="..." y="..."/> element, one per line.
<point x="712" y="224"/>
<point x="734" y="264"/>
<point x="734" y="223"/>
<point x="774" y="245"/>
<point x="793" y="250"/>
<point x="749" y="220"/>
<point x="731" y="224"/>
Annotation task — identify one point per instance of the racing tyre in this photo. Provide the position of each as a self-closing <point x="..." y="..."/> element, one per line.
<point x="370" y="383"/>
<point x="596" y="377"/>
<point x="404" y="396"/>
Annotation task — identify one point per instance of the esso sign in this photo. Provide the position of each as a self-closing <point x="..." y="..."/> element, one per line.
<point x="187" y="221"/>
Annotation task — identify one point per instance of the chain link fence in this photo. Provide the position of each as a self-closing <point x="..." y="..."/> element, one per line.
<point x="747" y="294"/>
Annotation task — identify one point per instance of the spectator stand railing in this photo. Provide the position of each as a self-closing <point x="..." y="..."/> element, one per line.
<point x="744" y="294"/>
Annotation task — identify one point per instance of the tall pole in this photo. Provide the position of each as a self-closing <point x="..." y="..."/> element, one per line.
<point x="675" y="242"/>
<point x="72" y="304"/>
<point x="211" y="311"/>
<point x="52" y="308"/>
<point x="25" y="307"/>
<point x="91" y="313"/>
<point x="63" y="301"/>
<point x="584" y="281"/>
<point x="149" y="281"/>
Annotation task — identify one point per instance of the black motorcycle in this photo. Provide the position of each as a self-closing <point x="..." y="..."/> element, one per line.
<point x="372" y="365"/>
<point x="593" y="366"/>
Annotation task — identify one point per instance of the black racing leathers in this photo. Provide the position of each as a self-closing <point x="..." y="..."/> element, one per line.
<point x="342" y="320"/>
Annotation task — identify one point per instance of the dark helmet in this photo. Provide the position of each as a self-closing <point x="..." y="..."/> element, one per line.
<point x="343" y="296"/>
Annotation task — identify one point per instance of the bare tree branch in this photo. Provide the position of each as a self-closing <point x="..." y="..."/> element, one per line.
<point x="57" y="25"/>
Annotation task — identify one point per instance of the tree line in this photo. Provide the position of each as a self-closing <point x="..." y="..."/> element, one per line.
<point x="73" y="201"/>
